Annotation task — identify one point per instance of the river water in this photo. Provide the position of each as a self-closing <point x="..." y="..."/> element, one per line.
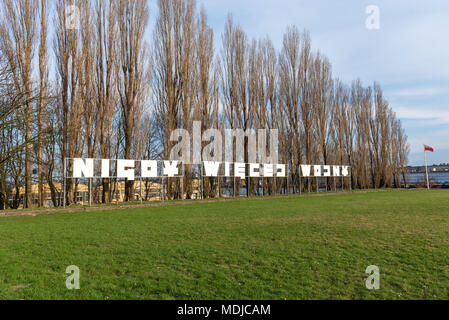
<point x="436" y="177"/>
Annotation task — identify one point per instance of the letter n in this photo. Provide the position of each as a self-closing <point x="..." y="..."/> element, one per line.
<point x="81" y="168"/>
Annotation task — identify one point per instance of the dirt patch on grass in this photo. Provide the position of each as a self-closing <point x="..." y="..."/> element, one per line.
<point x="20" y="286"/>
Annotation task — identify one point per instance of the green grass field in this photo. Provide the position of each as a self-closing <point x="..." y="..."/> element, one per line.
<point x="292" y="248"/>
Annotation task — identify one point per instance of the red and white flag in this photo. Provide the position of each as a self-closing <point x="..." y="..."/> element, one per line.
<point x="427" y="148"/>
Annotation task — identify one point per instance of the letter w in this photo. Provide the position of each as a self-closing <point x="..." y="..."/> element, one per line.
<point x="211" y="168"/>
<point x="306" y="170"/>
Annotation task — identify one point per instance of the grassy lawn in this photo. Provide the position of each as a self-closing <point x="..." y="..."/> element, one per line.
<point x="292" y="248"/>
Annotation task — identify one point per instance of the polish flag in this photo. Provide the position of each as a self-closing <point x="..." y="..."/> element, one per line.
<point x="427" y="148"/>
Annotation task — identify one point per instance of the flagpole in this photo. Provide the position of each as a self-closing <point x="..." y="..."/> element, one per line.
<point x="427" y="173"/>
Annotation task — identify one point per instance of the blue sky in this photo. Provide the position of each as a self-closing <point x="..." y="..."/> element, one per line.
<point x="408" y="55"/>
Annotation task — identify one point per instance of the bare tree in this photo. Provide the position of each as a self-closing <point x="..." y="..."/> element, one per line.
<point x="175" y="81"/>
<point x="43" y="90"/>
<point x="268" y="110"/>
<point x="323" y="95"/>
<point x="295" y="91"/>
<point x="17" y="42"/>
<point x="238" y="111"/>
<point x="207" y="89"/>
<point x="12" y="142"/>
<point x="134" y="72"/>
<point x="106" y="73"/>
<point x="67" y="52"/>
<point x="361" y="102"/>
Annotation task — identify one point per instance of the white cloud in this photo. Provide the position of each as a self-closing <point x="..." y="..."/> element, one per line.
<point x="417" y="144"/>
<point x="418" y="91"/>
<point x="432" y="116"/>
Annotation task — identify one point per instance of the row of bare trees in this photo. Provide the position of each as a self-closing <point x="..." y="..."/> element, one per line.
<point x="112" y="89"/>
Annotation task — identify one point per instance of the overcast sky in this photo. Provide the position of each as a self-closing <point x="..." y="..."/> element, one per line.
<point x="408" y="55"/>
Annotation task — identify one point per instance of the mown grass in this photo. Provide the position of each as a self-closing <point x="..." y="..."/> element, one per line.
<point x="290" y="248"/>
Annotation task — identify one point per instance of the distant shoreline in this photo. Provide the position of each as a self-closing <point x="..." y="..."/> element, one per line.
<point x="442" y="168"/>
